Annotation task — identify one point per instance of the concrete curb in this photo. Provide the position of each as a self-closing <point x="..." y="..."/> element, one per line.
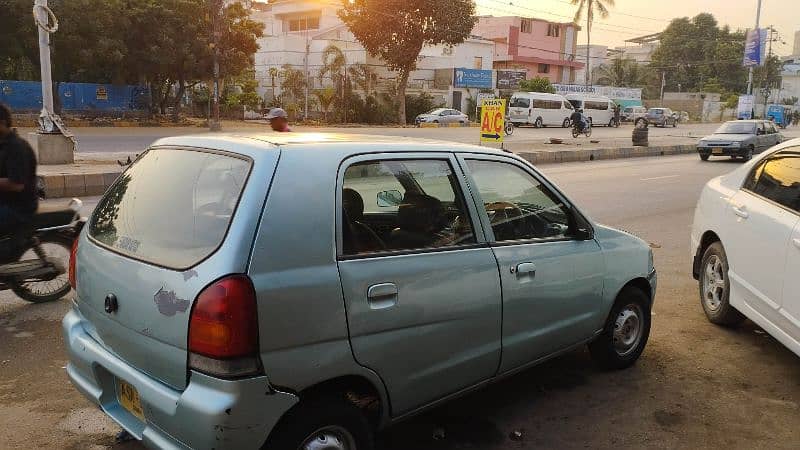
<point x="448" y="125"/>
<point x="77" y="185"/>
<point x="27" y="123"/>
<point x="563" y="156"/>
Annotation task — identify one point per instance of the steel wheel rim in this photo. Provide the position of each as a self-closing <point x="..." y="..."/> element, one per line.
<point x="628" y="328"/>
<point x="713" y="283"/>
<point x="56" y="253"/>
<point x="332" y="437"/>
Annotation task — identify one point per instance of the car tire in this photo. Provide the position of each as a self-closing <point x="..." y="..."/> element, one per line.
<point x="705" y="156"/>
<point x="538" y="123"/>
<point x="715" y="287"/>
<point x="674" y="124"/>
<point x="435" y="121"/>
<point x="749" y="155"/>
<point x="566" y="123"/>
<point x="322" y="420"/>
<point x="626" y="331"/>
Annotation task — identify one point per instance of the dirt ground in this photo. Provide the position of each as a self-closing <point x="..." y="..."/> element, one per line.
<point x="696" y="385"/>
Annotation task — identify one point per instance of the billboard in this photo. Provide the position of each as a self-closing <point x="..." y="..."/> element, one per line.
<point x="615" y="93"/>
<point x="746" y="105"/>
<point x="509" y="79"/>
<point x="472" y="78"/>
<point x="755" y="48"/>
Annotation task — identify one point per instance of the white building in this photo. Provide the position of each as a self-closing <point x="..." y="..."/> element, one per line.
<point x="297" y="32"/>
<point x="640" y="49"/>
<point x="598" y="55"/>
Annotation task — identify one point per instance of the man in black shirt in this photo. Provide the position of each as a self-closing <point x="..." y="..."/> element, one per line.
<point x="576" y="118"/>
<point x="18" y="201"/>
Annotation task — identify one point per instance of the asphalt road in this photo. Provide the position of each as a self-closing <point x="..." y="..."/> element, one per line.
<point x="696" y="385"/>
<point x="92" y="141"/>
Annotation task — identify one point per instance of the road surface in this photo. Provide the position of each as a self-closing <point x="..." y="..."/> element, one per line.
<point x="696" y="385"/>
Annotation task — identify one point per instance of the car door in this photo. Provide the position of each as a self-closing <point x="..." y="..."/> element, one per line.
<point x="772" y="133"/>
<point x="423" y="304"/>
<point x="762" y="140"/>
<point x="552" y="280"/>
<point x="757" y="235"/>
<point x="790" y="199"/>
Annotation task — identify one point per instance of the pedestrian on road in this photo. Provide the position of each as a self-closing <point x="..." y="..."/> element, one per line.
<point x="616" y="115"/>
<point x="18" y="200"/>
<point x="279" y="120"/>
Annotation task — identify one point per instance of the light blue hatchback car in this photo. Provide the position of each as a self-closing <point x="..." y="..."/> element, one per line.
<point x="301" y="291"/>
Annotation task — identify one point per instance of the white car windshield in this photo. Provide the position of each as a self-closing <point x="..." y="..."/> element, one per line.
<point x="737" y="128"/>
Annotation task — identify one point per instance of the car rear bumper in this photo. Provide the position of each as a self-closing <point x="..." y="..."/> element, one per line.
<point x="209" y="413"/>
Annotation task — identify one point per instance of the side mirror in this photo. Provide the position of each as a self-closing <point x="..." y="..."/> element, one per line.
<point x="387" y="199"/>
<point x="583" y="229"/>
<point x="584" y="234"/>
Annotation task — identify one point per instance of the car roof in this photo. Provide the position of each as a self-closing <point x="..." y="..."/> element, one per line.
<point x="344" y="143"/>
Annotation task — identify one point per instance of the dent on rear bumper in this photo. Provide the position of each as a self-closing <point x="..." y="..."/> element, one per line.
<point x="209" y="413"/>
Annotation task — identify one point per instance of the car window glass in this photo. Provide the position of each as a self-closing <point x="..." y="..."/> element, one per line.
<point x="520" y="103"/>
<point x="771" y="129"/>
<point x="518" y="205"/>
<point x="429" y="210"/>
<point x="779" y="179"/>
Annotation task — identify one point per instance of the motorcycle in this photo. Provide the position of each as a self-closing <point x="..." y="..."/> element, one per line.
<point x="33" y="260"/>
<point x="587" y="130"/>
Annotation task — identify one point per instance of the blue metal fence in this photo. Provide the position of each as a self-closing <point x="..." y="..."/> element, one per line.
<point x="27" y="96"/>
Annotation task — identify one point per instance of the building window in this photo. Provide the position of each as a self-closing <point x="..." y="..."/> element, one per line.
<point x="478" y="62"/>
<point x="553" y="30"/>
<point x="526" y="26"/>
<point x="544" y="68"/>
<point x="303" y="23"/>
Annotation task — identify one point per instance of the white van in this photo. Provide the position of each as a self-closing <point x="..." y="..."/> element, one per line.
<point x="539" y="109"/>
<point x="599" y="110"/>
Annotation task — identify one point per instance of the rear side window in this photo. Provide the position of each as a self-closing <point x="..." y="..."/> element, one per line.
<point x="172" y="207"/>
<point x="778" y="179"/>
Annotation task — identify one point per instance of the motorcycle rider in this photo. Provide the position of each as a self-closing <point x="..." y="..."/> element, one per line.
<point x="578" y="120"/>
<point x="18" y="201"/>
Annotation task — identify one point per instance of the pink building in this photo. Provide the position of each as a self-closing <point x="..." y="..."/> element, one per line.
<point x="544" y="49"/>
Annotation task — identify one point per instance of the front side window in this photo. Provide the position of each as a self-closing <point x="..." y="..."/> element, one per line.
<point x="778" y="179"/>
<point x="397" y="205"/>
<point x="518" y="102"/>
<point x="518" y="205"/>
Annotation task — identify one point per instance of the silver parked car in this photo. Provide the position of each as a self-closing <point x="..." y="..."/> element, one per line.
<point x="740" y="139"/>
<point x="442" y="115"/>
<point x="222" y="303"/>
<point x="661" y="117"/>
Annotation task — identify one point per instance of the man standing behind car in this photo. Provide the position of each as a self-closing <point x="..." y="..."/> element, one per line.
<point x="279" y="120"/>
<point x="18" y="200"/>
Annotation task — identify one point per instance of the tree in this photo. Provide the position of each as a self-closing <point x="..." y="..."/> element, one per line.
<point x="294" y="83"/>
<point x="325" y="98"/>
<point x="396" y="31"/>
<point x="363" y="76"/>
<point x="538" y="84"/>
<point x="333" y="64"/>
<point x="621" y="73"/>
<point x="590" y="5"/>
<point x="790" y="101"/>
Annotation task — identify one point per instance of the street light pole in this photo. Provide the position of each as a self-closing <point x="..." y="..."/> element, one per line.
<point x="750" y="73"/>
<point x="42" y="20"/>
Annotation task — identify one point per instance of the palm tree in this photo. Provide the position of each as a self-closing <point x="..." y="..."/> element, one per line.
<point x="333" y="63"/>
<point x="590" y="5"/>
<point x="363" y="76"/>
<point x="621" y="73"/>
<point x="325" y="97"/>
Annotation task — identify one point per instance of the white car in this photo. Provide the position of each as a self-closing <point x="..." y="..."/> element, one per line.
<point x="746" y="245"/>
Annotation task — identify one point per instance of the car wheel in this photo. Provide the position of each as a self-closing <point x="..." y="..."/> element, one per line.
<point x="715" y="287"/>
<point x="674" y="124"/>
<point x="610" y="123"/>
<point x="705" y="156"/>
<point x="749" y="155"/>
<point x="626" y="332"/>
<point x="435" y="121"/>
<point x="538" y="123"/>
<point x="327" y="423"/>
<point x="565" y="123"/>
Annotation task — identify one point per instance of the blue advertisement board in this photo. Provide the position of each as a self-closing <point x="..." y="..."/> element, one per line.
<point x="755" y="47"/>
<point x="472" y="78"/>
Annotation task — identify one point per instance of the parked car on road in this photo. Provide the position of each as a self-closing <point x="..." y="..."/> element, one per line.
<point x="632" y="113"/>
<point x="746" y="245"/>
<point x="539" y="109"/>
<point x="739" y="139"/>
<point x="229" y="306"/>
<point x="661" y="117"/>
<point x="442" y="115"/>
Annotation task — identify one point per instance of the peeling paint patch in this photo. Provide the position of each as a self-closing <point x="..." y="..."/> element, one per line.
<point x="168" y="303"/>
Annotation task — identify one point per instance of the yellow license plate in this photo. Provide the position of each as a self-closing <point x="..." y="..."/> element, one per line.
<point x="716" y="151"/>
<point x="129" y="399"/>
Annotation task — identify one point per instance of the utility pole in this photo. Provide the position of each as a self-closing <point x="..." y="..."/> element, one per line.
<point x="588" y="41"/>
<point x="305" y="62"/>
<point x="767" y="89"/>
<point x="663" y="84"/>
<point x="216" y="9"/>
<point x="750" y="74"/>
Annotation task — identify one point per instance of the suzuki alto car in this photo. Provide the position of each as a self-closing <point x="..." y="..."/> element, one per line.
<point x="303" y="291"/>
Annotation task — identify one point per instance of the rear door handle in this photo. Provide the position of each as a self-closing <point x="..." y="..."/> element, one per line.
<point x="382" y="296"/>
<point x="740" y="211"/>
<point x="526" y="268"/>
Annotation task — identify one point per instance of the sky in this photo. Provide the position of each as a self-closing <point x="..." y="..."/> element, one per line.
<point x="632" y="18"/>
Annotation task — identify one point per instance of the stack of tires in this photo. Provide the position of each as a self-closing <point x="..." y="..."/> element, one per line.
<point x="640" y="133"/>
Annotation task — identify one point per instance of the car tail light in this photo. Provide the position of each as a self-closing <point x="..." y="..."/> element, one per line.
<point x="73" y="255"/>
<point x="223" y="329"/>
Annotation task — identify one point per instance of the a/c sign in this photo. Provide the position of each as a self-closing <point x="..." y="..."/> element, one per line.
<point x="493" y="119"/>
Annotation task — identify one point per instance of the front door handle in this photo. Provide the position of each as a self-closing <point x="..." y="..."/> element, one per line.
<point x="526" y="268"/>
<point x="740" y="211"/>
<point x="382" y="296"/>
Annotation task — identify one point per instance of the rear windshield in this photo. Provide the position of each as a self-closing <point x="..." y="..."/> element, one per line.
<point x="172" y="207"/>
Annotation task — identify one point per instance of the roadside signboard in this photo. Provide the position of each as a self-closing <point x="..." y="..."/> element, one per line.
<point x="755" y="47"/>
<point x="493" y="118"/>
<point x="472" y="78"/>
<point x="509" y="79"/>
<point x="745" y="110"/>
